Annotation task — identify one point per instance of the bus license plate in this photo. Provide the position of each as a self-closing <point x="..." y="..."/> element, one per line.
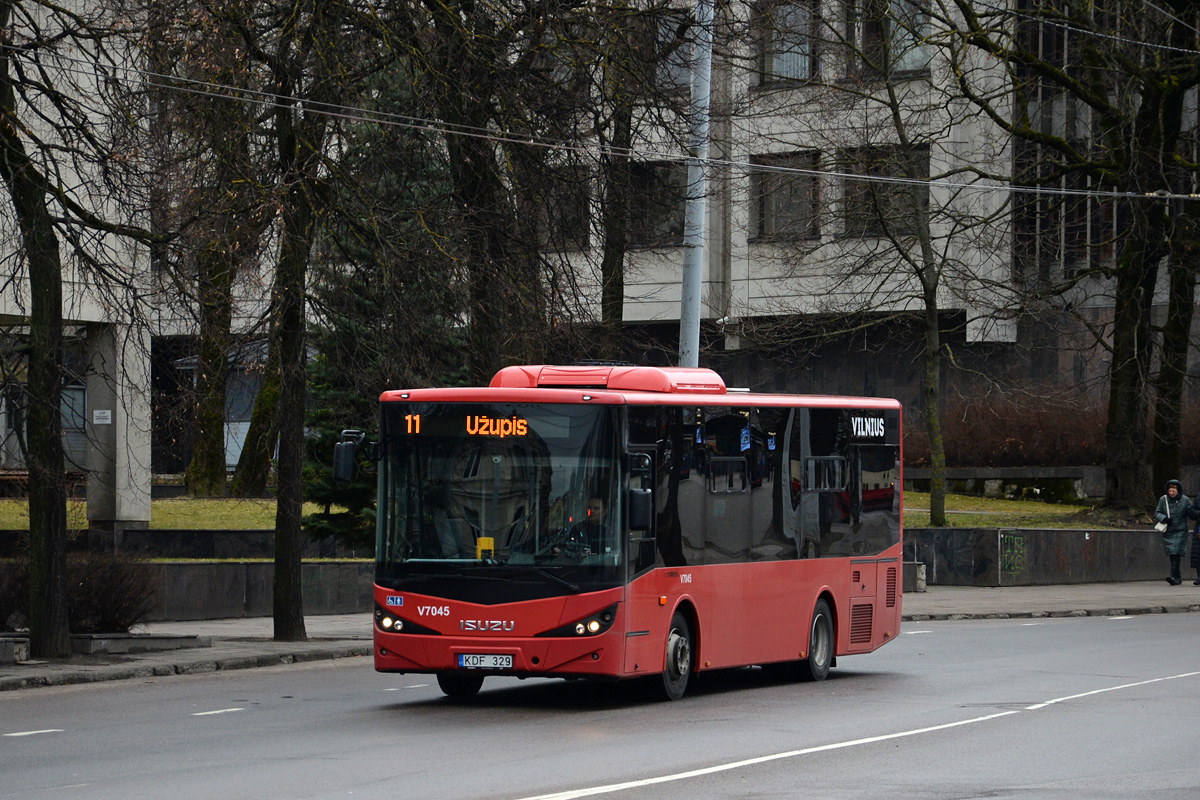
<point x="484" y="661"/>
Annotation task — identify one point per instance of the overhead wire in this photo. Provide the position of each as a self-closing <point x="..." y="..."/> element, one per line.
<point x="350" y="113"/>
<point x="1095" y="34"/>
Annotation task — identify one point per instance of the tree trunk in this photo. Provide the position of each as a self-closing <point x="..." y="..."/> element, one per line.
<point x="290" y="277"/>
<point x="1166" y="447"/>
<point x="1127" y="475"/>
<point x="206" y="473"/>
<point x="254" y="464"/>
<point x="49" y="632"/>
<point x="615" y="165"/>
<point x="1128" y="471"/>
<point x="478" y="191"/>
<point x="932" y="391"/>
<point x="1166" y="452"/>
<point x="1152" y="145"/>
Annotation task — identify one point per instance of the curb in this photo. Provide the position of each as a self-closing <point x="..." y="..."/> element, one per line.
<point x="1080" y="612"/>
<point x="192" y="667"/>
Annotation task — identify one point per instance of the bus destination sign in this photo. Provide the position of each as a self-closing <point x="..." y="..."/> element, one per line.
<point x="478" y="425"/>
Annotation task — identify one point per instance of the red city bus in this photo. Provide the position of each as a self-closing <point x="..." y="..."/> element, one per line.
<point x="614" y="522"/>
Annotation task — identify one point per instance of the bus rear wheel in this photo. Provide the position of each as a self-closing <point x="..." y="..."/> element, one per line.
<point x="679" y="658"/>
<point x="459" y="686"/>
<point x="820" y="644"/>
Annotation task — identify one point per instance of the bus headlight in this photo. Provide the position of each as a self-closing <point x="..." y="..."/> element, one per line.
<point x="588" y="626"/>
<point x="389" y="622"/>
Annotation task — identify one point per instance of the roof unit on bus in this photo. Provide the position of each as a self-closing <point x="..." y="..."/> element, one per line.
<point x="671" y="380"/>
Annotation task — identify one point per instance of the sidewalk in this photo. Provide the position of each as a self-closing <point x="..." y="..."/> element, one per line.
<point x="234" y="644"/>
<point x="246" y="643"/>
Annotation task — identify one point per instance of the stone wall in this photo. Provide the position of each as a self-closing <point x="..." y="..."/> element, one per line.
<point x="1034" y="557"/>
<point x="224" y="589"/>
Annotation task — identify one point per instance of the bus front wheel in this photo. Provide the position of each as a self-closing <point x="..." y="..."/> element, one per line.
<point x="820" y="644"/>
<point x="679" y="658"/>
<point x="459" y="686"/>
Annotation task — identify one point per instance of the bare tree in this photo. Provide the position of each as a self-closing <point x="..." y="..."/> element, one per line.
<point x="212" y="197"/>
<point x="872" y="193"/>
<point x="63" y="154"/>
<point x="1097" y="94"/>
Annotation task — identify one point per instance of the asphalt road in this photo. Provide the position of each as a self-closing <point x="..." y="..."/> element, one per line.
<point x="1055" y="708"/>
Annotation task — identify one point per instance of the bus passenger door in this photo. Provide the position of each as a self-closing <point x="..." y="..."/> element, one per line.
<point x="644" y="615"/>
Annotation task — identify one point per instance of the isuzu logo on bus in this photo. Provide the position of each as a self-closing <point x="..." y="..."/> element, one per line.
<point x="867" y="427"/>
<point x="486" y="625"/>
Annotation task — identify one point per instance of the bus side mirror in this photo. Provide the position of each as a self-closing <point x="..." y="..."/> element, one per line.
<point x="343" y="461"/>
<point x="641" y="509"/>
<point x="344" y="453"/>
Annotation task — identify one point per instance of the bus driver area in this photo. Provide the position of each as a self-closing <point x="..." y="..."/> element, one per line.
<point x="617" y="522"/>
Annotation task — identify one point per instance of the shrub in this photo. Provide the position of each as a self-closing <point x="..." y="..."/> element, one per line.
<point x="995" y="430"/>
<point x="105" y="593"/>
<point x="14" y="593"/>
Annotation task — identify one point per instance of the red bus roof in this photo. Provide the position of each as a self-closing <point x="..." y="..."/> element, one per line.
<point x="612" y="384"/>
<point x="621" y="379"/>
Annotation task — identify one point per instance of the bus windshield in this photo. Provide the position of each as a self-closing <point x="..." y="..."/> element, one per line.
<point x="472" y="492"/>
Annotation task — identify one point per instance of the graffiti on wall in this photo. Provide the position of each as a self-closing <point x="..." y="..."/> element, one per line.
<point x="1012" y="553"/>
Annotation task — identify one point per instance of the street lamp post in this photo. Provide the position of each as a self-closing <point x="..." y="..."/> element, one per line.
<point x="697" y="188"/>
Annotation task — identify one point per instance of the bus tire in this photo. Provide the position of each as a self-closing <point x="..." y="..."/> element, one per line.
<point x="820" y="644"/>
<point x="459" y="686"/>
<point x="678" y="666"/>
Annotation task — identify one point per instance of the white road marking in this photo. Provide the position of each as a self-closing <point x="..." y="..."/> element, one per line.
<point x="1109" y="689"/>
<point x="35" y="733"/>
<point x="402" y="688"/>
<point x="591" y="791"/>
<point x="218" y="711"/>
<point x="695" y="773"/>
<point x="914" y="633"/>
<point x="1125" y="617"/>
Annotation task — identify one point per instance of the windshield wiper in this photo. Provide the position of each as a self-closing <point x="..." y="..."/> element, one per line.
<point x="416" y="577"/>
<point x="548" y="574"/>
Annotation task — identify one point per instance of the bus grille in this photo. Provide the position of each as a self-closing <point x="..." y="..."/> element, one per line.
<point x="861" y="618"/>
<point x="891" y="587"/>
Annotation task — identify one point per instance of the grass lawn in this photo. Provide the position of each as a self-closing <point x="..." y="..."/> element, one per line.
<point x="234" y="514"/>
<point x="963" y="511"/>
<point x="968" y="511"/>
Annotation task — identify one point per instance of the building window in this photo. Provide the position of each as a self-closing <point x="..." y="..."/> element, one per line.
<point x="883" y="202"/>
<point x="784" y="195"/>
<point x="564" y="216"/>
<point x="887" y="37"/>
<point x="1089" y="226"/>
<point x="658" y="193"/>
<point x="665" y="56"/>
<point x="786" y="38"/>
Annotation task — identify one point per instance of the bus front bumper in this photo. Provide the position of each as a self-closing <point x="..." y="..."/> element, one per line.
<point x="543" y="657"/>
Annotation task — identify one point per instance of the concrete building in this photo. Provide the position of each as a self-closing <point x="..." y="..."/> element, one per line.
<point x="105" y="286"/>
<point x="833" y="121"/>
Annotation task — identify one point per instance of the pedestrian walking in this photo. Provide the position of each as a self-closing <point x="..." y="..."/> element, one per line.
<point x="1171" y="515"/>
